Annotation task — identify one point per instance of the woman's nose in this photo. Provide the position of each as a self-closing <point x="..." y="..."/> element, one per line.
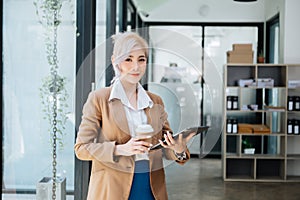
<point x="135" y="65"/>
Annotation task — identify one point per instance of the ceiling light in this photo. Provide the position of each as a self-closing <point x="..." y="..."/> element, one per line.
<point x="245" y="0"/>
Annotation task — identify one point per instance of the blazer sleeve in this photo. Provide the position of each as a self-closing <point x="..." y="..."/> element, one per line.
<point x="86" y="147"/>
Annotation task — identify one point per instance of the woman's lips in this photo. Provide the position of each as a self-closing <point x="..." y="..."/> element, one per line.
<point x="136" y="74"/>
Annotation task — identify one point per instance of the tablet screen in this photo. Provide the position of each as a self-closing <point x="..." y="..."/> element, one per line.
<point x="185" y="132"/>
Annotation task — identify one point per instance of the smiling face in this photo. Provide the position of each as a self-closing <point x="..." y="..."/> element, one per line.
<point x="129" y="57"/>
<point x="133" y="67"/>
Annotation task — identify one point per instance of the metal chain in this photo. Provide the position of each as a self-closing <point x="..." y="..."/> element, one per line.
<point x="54" y="108"/>
<point x="54" y="122"/>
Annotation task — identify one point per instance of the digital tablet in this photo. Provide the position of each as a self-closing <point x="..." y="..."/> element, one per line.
<point x="186" y="132"/>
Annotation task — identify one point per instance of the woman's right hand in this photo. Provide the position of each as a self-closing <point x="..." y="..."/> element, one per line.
<point x="132" y="147"/>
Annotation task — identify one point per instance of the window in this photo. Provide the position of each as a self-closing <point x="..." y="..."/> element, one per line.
<point x="27" y="151"/>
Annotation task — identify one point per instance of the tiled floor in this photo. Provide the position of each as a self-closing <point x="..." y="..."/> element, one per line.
<point x="200" y="179"/>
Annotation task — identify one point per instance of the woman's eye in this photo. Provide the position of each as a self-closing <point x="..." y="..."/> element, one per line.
<point x="142" y="60"/>
<point x="128" y="60"/>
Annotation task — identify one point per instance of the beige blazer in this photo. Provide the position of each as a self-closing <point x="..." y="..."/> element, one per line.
<point x="103" y="126"/>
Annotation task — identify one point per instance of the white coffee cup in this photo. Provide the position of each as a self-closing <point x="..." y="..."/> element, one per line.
<point x="143" y="132"/>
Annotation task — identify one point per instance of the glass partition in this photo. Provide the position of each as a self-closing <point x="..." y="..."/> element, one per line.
<point x="182" y="55"/>
<point x="175" y="73"/>
<point x="218" y="40"/>
<point x="27" y="149"/>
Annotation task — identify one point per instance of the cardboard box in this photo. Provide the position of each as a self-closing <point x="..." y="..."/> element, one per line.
<point x="239" y="57"/>
<point x="245" y="128"/>
<point x="242" y="53"/>
<point x="253" y="128"/>
<point x="261" y="129"/>
<point x="242" y="47"/>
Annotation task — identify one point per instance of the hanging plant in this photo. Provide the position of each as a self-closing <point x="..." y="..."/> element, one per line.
<point x="53" y="91"/>
<point x="55" y="88"/>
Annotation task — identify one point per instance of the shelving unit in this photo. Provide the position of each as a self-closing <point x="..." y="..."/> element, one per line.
<point x="261" y="92"/>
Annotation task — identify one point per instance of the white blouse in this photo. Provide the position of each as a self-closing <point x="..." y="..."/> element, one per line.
<point x="134" y="116"/>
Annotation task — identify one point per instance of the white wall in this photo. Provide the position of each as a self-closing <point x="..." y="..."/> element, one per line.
<point x="202" y="11"/>
<point x="230" y="11"/>
<point x="291" y="32"/>
<point x="272" y="7"/>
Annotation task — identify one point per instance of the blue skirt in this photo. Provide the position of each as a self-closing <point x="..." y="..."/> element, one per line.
<point x="141" y="188"/>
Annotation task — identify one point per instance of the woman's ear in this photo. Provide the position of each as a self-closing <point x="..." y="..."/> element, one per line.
<point x="112" y="58"/>
<point x="114" y="64"/>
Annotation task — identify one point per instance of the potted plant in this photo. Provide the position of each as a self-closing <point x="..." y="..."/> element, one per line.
<point x="53" y="94"/>
<point x="260" y="57"/>
<point x="248" y="147"/>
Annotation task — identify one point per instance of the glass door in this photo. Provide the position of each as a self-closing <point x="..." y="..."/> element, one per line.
<point x="175" y="73"/>
<point x="187" y="71"/>
<point x="272" y="42"/>
<point x="217" y="41"/>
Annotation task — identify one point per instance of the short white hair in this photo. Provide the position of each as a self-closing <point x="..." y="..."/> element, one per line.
<point x="123" y="44"/>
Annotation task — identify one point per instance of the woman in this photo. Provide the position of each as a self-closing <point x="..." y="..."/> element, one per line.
<point x="124" y="167"/>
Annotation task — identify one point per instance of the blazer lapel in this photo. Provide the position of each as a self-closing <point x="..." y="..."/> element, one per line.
<point x="149" y="118"/>
<point x="154" y="118"/>
<point x="118" y="115"/>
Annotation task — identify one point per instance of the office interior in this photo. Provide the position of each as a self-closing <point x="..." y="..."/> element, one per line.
<point x="188" y="41"/>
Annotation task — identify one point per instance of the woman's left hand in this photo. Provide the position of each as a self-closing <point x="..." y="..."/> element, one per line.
<point x="178" y="145"/>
